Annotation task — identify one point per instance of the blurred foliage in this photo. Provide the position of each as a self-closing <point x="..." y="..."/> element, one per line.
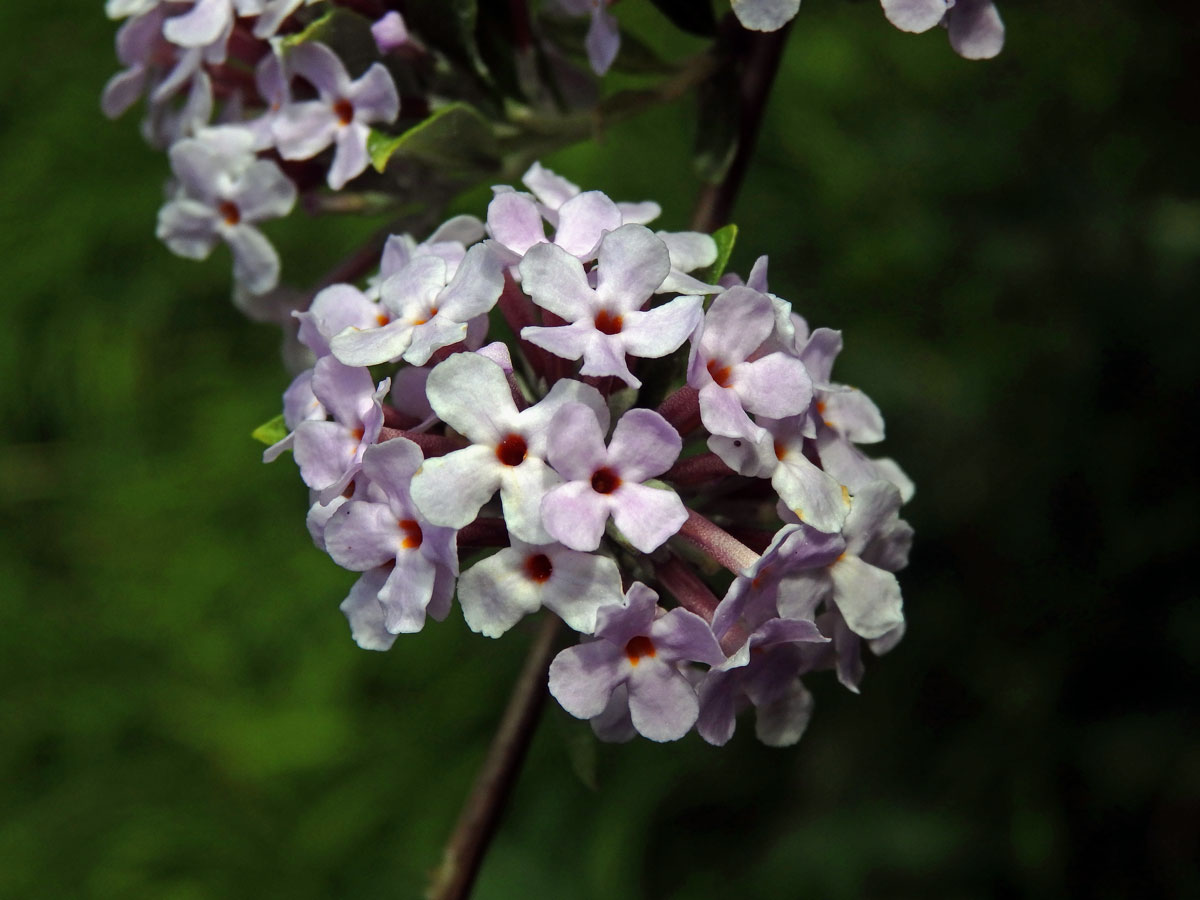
<point x="1012" y="249"/>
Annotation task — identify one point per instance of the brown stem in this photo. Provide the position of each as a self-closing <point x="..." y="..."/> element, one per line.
<point x="481" y="813"/>
<point x="430" y="444"/>
<point x="699" y="469"/>
<point x="717" y="543"/>
<point x="760" y="55"/>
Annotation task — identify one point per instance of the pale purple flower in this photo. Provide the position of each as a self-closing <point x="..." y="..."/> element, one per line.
<point x="602" y="482"/>
<point x="688" y="251"/>
<point x="498" y="591"/>
<point x="635" y="648"/>
<point x="422" y="310"/>
<point x="508" y="447"/>
<point x="329" y="454"/>
<point x="208" y="23"/>
<point x="386" y="530"/>
<point x="603" y="37"/>
<point x="516" y="224"/>
<point x="300" y="404"/>
<point x="859" y="582"/>
<point x="731" y="382"/>
<point x="781" y="454"/>
<point x="976" y="30"/>
<point x="389" y="32"/>
<point x="552" y="191"/>
<point x="607" y="322"/>
<point x="342" y="114"/>
<point x="333" y="310"/>
<point x="763" y="673"/>
<point x="223" y="191"/>
<point x="270" y="78"/>
<point x="274" y="12"/>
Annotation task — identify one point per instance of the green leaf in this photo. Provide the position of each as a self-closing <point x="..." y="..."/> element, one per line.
<point x="695" y="16"/>
<point x="725" y="237"/>
<point x="454" y="138"/>
<point x="271" y="432"/>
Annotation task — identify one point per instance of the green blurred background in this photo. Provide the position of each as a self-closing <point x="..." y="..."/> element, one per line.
<point x="1012" y="250"/>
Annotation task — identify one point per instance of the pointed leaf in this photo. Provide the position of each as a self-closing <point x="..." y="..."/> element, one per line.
<point x="271" y="432"/>
<point x="725" y="237"/>
<point x="456" y="137"/>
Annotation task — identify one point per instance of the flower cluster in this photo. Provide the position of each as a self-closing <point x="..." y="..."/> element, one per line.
<point x="231" y="99"/>
<point x="653" y="433"/>
<point x="976" y="30"/>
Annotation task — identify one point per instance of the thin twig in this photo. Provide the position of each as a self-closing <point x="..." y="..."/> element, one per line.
<point x="761" y="54"/>
<point x="481" y="813"/>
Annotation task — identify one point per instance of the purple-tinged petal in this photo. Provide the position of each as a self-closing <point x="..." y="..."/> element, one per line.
<point x="738" y="321"/>
<point x="263" y="192"/>
<point x="406" y="594"/>
<point x="632" y="263"/>
<point x="765" y="15"/>
<point x="514" y="221"/>
<point x="122" y="91"/>
<point x="661" y="331"/>
<point x="356" y="346"/>
<point x="718" y="710"/>
<point x="350" y="158"/>
<point x="976" y="30"/>
<point x="364" y="613"/>
<point x="324" y="451"/>
<point x="471" y="395"/>
<point x="642" y="213"/>
<point x="782" y="722"/>
<point x="201" y="25"/>
<point x="815" y="498"/>
<point x="620" y="623"/>
<point x="875" y="505"/>
<point x="890" y="470"/>
<point x="374" y="96"/>
<point x="582" y="678"/>
<point x="647" y="516"/>
<point x="576" y="442"/>
<point x="802" y="592"/>
<point x="535" y="421"/>
<point x="683" y="635"/>
<point x="320" y="66"/>
<point x="819" y="352"/>
<point x="722" y="413"/>
<point x="333" y="310"/>
<point x="449" y="490"/>
<point x="273" y="15"/>
<point x="302" y="130"/>
<point x="614" y="726"/>
<point x="255" y="262"/>
<point x="643" y="445"/>
<point x="575" y="515"/>
<point x="869" y="598"/>
<point x="432" y="336"/>
<point x="580" y="585"/>
<point x="389" y="32"/>
<point x="188" y="228"/>
<point x="603" y="39"/>
<point x="556" y="281"/>
<point x="853" y="413"/>
<point x="915" y="16"/>
<point x="522" y="489"/>
<point x="662" y="703"/>
<point x="551" y="189"/>
<point x="689" y="250"/>
<point x="343" y="390"/>
<point x="496" y="593"/>
<point x="775" y="385"/>
<point x="390" y="465"/>
<point x="568" y="341"/>
<point x="475" y="287"/>
<point x="888" y="642"/>
<point x="583" y="221"/>
<point x="362" y="536"/>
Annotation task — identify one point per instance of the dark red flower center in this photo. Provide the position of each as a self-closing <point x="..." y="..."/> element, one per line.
<point x="607" y="323"/>
<point x="605" y="481"/>
<point x="638" y="647"/>
<point x="344" y="110"/>
<point x="720" y="374"/>
<point x="511" y="451"/>
<point x="229" y="212"/>
<point x="412" y="534"/>
<point x="539" y="568"/>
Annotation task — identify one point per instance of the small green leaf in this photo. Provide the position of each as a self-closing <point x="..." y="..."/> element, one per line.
<point x="456" y="137"/>
<point x="271" y="432"/>
<point x="725" y="237"/>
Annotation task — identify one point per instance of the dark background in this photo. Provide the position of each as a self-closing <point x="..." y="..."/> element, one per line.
<point x="1012" y="250"/>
